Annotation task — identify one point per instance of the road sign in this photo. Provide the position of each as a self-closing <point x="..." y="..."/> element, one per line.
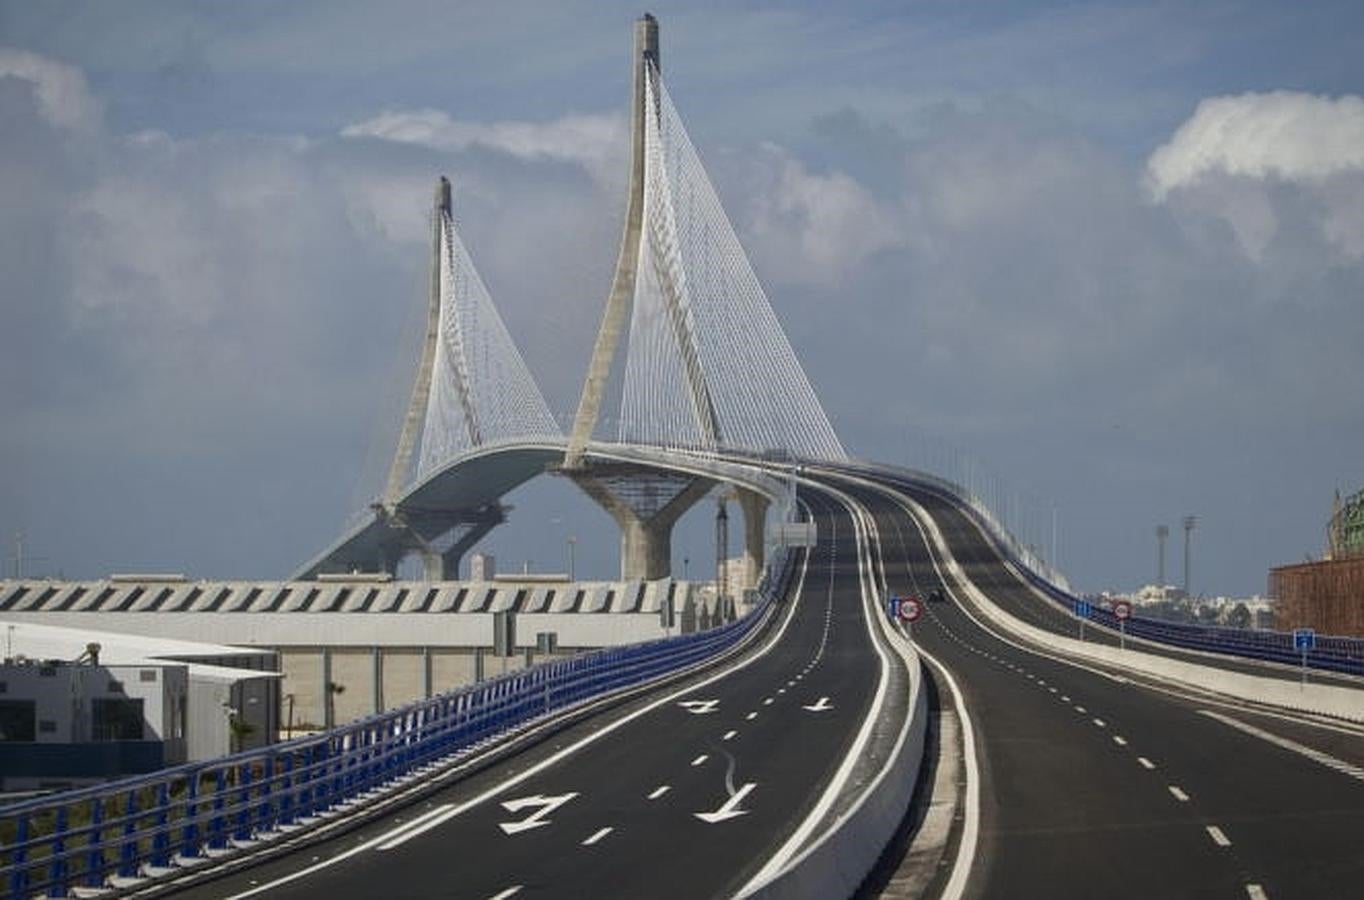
<point x="1084" y="609"/>
<point x="1304" y="639"/>
<point x="1122" y="609"/>
<point x="892" y="607"/>
<point x="911" y="609"/>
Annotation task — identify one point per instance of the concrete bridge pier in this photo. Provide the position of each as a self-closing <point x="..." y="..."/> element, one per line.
<point x="754" y="506"/>
<point x="645" y="505"/>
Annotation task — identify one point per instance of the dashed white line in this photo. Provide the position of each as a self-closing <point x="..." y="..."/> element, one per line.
<point x="659" y="791"/>
<point x="751" y="716"/>
<point x="1101" y="723"/>
<point x="1065" y="699"/>
<point x="1255" y="892"/>
<point x="729" y="735"/>
<point x="1080" y="709"/>
<point x="767" y="701"/>
<point x="509" y="892"/>
<point x="700" y="759"/>
<point x="598" y="836"/>
<point x="1120" y="740"/>
<point x="1145" y="763"/>
<point x="1178" y="794"/>
<point x="1218" y="836"/>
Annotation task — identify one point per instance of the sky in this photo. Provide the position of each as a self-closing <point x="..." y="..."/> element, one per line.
<point x="1111" y="253"/>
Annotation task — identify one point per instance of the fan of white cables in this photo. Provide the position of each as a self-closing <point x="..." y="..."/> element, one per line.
<point x="708" y="366"/>
<point x="481" y="390"/>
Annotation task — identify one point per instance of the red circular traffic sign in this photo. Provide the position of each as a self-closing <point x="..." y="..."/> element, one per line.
<point x="911" y="608"/>
<point x="1122" y="609"/>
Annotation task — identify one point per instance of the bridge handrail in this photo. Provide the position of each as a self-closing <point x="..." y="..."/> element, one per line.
<point x="1334" y="653"/>
<point x="142" y="824"/>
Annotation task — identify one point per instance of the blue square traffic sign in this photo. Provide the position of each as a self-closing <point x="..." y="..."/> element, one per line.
<point x="1083" y="608"/>
<point x="1304" y="639"/>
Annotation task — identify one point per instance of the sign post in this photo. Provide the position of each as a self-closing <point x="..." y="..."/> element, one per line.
<point x="1123" y="610"/>
<point x="1304" y="641"/>
<point x="1083" y="610"/>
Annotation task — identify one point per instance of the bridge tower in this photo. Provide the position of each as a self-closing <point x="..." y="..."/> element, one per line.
<point x="646" y="504"/>
<point x="472" y="388"/>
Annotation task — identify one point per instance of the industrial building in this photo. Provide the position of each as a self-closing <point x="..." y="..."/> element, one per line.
<point x="1327" y="595"/>
<point x="79" y="705"/>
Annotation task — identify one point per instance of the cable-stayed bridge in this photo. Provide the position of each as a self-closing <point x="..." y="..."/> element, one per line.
<point x="979" y="742"/>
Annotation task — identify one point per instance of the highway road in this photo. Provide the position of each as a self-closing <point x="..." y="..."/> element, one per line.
<point x="691" y="792"/>
<point x="1093" y="786"/>
<point x="982" y="565"/>
<point x="1082" y="782"/>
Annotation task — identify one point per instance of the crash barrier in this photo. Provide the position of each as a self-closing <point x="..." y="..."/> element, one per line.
<point x="161" y="824"/>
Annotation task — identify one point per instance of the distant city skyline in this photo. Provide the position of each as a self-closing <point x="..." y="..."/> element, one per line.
<point x="1114" y="252"/>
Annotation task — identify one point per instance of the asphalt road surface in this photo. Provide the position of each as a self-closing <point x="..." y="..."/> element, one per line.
<point x="1092" y="786"/>
<point x="687" y="794"/>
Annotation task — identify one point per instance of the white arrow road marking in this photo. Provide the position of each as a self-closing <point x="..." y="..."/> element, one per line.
<point x="728" y="810"/>
<point x="819" y="705"/>
<point x="543" y="806"/>
<point x="699" y="707"/>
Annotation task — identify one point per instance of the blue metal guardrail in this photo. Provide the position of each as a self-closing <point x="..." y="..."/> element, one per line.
<point x="136" y="826"/>
<point x="1331" y="653"/>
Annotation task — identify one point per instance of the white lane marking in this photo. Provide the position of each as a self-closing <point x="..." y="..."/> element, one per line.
<point x="1120" y="740"/>
<point x="597" y="836"/>
<point x="1065" y="699"/>
<point x="751" y="716"/>
<point x="1255" y="892"/>
<point x="1100" y="722"/>
<point x="729" y="809"/>
<point x="509" y="892"/>
<point x="729" y="735"/>
<point x="1145" y="763"/>
<point x="1311" y="753"/>
<point x="386" y="838"/>
<point x="1218" y="836"/>
<point x="699" y="707"/>
<point x="1080" y="709"/>
<point x="1052" y="689"/>
<point x="1178" y="794"/>
<point x="820" y="705"/>
<point x="659" y="791"/>
<point x="542" y="805"/>
<point x="700" y="759"/>
<point x="767" y="701"/>
<point x="420" y="820"/>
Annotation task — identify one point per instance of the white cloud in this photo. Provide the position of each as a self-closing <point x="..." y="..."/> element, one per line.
<point x="63" y="97"/>
<point x="1287" y="134"/>
<point x="595" y="142"/>
<point x="821" y="225"/>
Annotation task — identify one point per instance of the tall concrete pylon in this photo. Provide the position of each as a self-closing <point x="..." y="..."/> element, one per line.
<point x="644" y="504"/>
<point x="617" y="313"/>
